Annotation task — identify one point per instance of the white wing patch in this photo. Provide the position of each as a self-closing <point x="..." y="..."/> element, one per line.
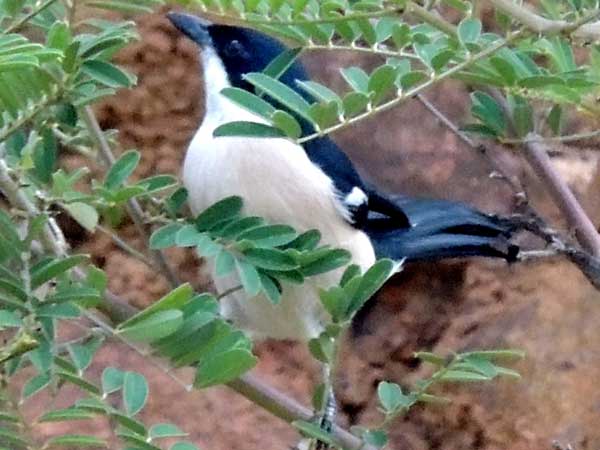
<point x="356" y="197"/>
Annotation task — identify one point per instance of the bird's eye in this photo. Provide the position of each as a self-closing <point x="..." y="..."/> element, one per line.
<point x="236" y="50"/>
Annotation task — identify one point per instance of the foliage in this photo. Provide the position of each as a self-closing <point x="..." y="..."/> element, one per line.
<point x="53" y="65"/>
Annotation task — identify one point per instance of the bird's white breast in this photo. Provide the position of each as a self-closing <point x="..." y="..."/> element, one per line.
<point x="278" y="182"/>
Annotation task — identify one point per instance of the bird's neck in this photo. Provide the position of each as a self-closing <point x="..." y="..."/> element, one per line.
<point x="215" y="80"/>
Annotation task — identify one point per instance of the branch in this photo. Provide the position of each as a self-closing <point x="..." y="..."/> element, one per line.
<point x="133" y="207"/>
<point x="580" y="29"/>
<point x="414" y="91"/>
<point x="532" y="222"/>
<point x="536" y="154"/>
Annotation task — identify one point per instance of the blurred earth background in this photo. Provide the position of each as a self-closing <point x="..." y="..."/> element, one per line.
<point x="546" y="308"/>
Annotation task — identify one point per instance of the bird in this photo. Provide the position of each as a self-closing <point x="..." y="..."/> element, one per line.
<point x="310" y="186"/>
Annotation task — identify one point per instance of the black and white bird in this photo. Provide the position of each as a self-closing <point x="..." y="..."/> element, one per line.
<point x="310" y="186"/>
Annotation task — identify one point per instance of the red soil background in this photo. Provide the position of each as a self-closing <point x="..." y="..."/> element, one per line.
<point x="545" y="308"/>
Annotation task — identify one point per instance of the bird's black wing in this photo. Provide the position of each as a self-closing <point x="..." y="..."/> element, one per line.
<point x="441" y="229"/>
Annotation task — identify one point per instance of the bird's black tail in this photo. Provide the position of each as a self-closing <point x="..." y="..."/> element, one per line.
<point x="441" y="229"/>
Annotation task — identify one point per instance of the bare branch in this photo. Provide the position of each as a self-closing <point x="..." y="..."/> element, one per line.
<point x="581" y="29"/>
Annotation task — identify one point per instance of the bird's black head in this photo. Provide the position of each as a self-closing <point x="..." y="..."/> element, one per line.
<point x="242" y="50"/>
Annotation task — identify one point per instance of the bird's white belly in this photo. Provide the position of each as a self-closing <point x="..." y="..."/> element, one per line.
<point x="278" y="182"/>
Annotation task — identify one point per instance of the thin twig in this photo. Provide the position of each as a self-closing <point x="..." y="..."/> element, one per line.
<point x="477" y="146"/>
<point x="26" y="18"/>
<point x="123" y="245"/>
<point x="566" y="138"/>
<point x="133" y="207"/>
<point x="581" y="29"/>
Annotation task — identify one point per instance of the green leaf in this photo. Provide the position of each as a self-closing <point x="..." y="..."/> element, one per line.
<point x="504" y="68"/>
<point x="165" y="236"/>
<point x="271" y="259"/>
<point x="128" y="422"/>
<point x="77" y="440"/>
<point x="335" y="302"/>
<point x="282" y="62"/>
<point x="371" y="282"/>
<point x="271" y="287"/>
<point x="249" y="277"/>
<point x="462" y="376"/>
<point x="112" y="380"/>
<point x="411" y="79"/>
<point x="522" y="114"/>
<point x="228" y="208"/>
<point x="322" y="348"/>
<point x="486" y="109"/>
<point x="287" y="123"/>
<point x="174" y="300"/>
<point x="269" y="235"/>
<point x="249" y="102"/>
<point x="157" y="326"/>
<point x="35" y="385"/>
<point x="319" y="92"/>
<point x="469" y="30"/>
<point x="380" y="82"/>
<point x="59" y="35"/>
<point x="356" y="78"/>
<point x="325" y="114"/>
<point x="81" y="356"/>
<point x="44" y="156"/>
<point x="305" y="241"/>
<point x="248" y="129"/>
<point x="188" y="236"/>
<point x="78" y="381"/>
<point x="8" y="436"/>
<point x="355" y="103"/>
<point x="67" y="414"/>
<point x="122" y="169"/>
<point x="224" y="263"/>
<point x="224" y="367"/>
<point x="479" y="129"/>
<point x="165" y="430"/>
<point x="84" y="214"/>
<point x="326" y="261"/>
<point x="376" y="438"/>
<point x="40" y="275"/>
<point x="9" y="319"/>
<point x="280" y="92"/>
<point x="13" y="289"/>
<point x="431" y="358"/>
<point x="59" y="311"/>
<point x="391" y="397"/>
<point x="135" y="392"/>
<point x="233" y="229"/>
<point x="183" y="446"/>
<point x="107" y="74"/>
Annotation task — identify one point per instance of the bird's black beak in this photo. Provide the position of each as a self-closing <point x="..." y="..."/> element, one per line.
<point x="193" y="27"/>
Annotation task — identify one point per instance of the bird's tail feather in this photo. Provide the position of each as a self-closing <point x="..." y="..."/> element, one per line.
<point x="442" y="229"/>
